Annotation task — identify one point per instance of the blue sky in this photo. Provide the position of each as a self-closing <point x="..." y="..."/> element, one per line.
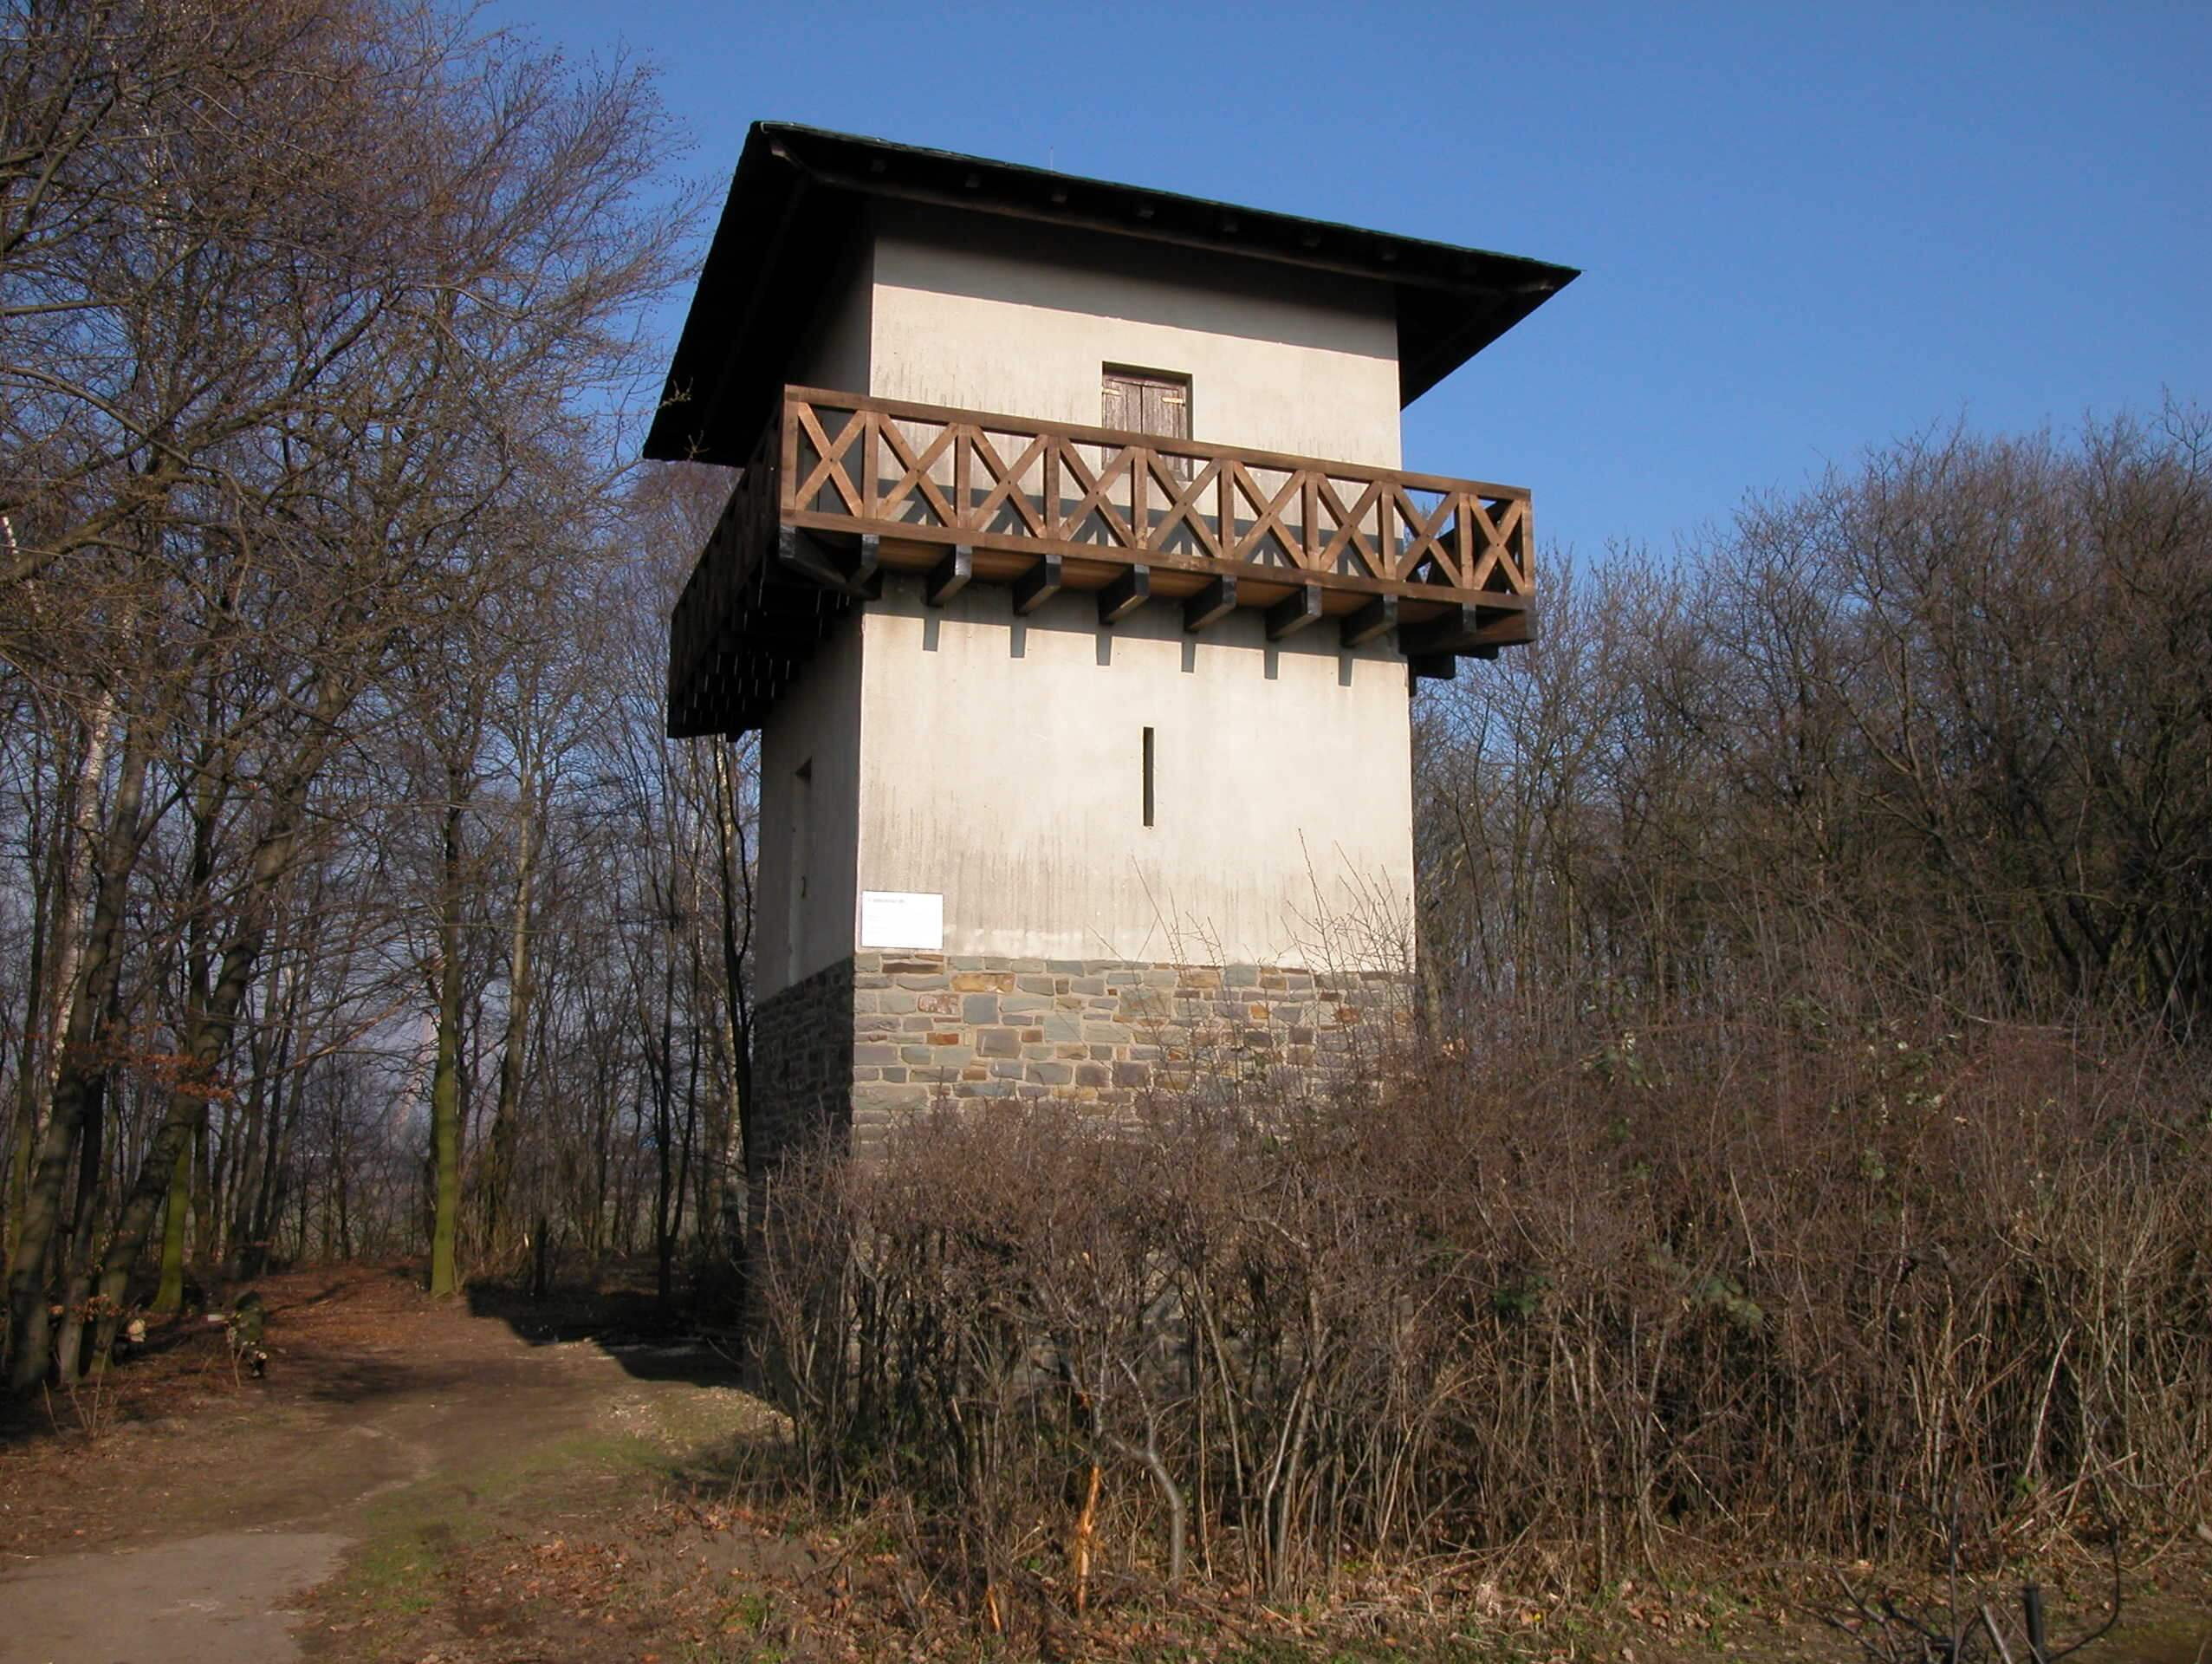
<point x="1804" y="230"/>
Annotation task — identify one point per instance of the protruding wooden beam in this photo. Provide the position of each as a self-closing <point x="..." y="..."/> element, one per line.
<point x="1378" y="617"/>
<point x="1457" y="629"/>
<point x="803" y="557"/>
<point x="950" y="577"/>
<point x="1294" y="611"/>
<point x="1037" y="586"/>
<point x="801" y="554"/>
<point x="1124" y="594"/>
<point x="1433" y="666"/>
<point x="1211" y="604"/>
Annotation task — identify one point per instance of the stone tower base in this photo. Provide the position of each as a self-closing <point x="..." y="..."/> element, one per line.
<point x="873" y="1038"/>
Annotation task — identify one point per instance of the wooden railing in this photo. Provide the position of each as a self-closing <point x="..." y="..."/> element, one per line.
<point x="843" y="486"/>
<point x="854" y="464"/>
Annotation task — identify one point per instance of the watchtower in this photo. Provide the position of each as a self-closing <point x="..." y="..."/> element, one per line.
<point x="1076" y="592"/>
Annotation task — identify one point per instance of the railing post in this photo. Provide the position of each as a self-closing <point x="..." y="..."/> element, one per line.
<point x="871" y="425"/>
<point x="788" y="474"/>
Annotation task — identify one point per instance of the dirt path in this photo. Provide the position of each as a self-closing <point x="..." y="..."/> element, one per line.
<point x="190" y="1537"/>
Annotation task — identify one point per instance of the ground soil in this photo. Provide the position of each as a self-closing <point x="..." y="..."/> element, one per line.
<point x="184" y="1514"/>
<point x="500" y="1480"/>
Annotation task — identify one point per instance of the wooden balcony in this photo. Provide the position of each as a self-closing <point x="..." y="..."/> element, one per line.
<point x="845" y="487"/>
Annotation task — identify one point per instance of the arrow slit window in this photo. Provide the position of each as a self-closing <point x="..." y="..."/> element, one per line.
<point x="1148" y="776"/>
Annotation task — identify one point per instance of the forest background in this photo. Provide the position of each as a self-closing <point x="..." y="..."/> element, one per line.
<point x="356" y="905"/>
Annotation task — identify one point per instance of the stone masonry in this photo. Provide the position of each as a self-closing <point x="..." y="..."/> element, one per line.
<point x="1103" y="1034"/>
<point x="802" y="1060"/>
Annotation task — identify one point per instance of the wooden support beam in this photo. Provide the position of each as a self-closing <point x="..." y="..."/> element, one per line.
<point x="1457" y="629"/>
<point x="1211" y="604"/>
<point x="1295" y="612"/>
<point x="1037" y="586"/>
<point x="801" y="554"/>
<point x="950" y="576"/>
<point x="1377" y="618"/>
<point x="1433" y="666"/>
<point x="1124" y="594"/>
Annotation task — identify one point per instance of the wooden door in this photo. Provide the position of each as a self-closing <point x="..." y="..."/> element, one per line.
<point x="1149" y="401"/>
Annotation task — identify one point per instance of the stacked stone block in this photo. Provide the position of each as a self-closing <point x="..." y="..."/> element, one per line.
<point x="1104" y="1034"/>
<point x="802" y="1060"/>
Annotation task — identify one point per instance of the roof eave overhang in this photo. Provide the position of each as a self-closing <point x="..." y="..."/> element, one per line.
<point x="799" y="188"/>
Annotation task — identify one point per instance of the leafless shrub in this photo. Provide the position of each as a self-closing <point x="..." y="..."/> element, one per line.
<point x="1754" y="1281"/>
<point x="1967" y="1621"/>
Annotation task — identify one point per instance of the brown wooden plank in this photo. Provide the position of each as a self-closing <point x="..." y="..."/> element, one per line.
<point x="1124" y="594"/>
<point x="1375" y="618"/>
<point x="1094" y="498"/>
<point x="1348" y="533"/>
<point x="1009" y="486"/>
<point x="915" y="475"/>
<point x="1214" y="602"/>
<point x="1267" y="514"/>
<point x="831" y="466"/>
<point x="950" y="577"/>
<point x="1037" y="586"/>
<point x="787" y="452"/>
<point x="1295" y="612"/>
<point x="871" y="441"/>
<point x="1183" y="504"/>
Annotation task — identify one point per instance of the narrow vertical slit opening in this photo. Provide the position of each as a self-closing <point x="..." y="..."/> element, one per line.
<point x="1148" y="776"/>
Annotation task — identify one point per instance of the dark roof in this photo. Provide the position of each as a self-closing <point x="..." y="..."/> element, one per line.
<point x="797" y="197"/>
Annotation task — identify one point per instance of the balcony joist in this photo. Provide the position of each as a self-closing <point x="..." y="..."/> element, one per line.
<point x="845" y="488"/>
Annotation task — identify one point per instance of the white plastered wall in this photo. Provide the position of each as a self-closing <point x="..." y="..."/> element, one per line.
<point x="837" y="348"/>
<point x="810" y="831"/>
<point x="988" y="314"/>
<point x="1002" y="767"/>
<point x="997" y="761"/>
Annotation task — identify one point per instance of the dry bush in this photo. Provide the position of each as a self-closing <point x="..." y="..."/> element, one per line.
<point x="1753" y="1281"/>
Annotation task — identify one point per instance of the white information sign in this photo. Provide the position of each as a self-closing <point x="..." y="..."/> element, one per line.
<point x="902" y="918"/>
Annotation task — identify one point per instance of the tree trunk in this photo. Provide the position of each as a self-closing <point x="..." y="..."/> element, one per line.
<point x="244" y="1183"/>
<point x="664" y="1126"/>
<point x="256" y="1233"/>
<point x="210" y="1032"/>
<point x="169" y="1294"/>
<point x="514" y="1049"/>
<point x="78" y="1087"/>
<point x="445" y="1081"/>
<point x="68" y="1352"/>
<point x="737" y="897"/>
